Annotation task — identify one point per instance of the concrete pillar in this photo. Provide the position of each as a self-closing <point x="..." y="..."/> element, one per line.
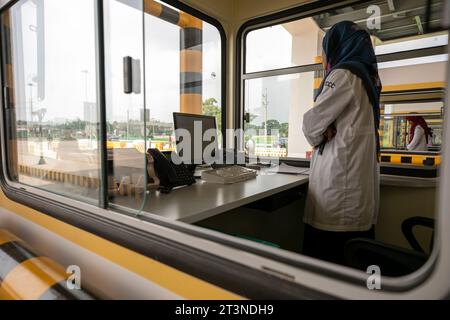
<point x="191" y="64"/>
<point x="306" y="44"/>
<point x="191" y="53"/>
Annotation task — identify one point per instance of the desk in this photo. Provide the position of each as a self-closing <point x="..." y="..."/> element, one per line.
<point x="203" y="200"/>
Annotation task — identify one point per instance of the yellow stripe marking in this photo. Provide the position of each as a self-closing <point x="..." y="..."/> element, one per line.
<point x="191" y="103"/>
<point x="317" y="82"/>
<point x="188" y="21"/>
<point x="415" y="159"/>
<point x="31" y="279"/>
<point x="396" y="159"/>
<point x="414" y="86"/>
<point x="152" y="7"/>
<point x="191" y="61"/>
<point x="176" y="281"/>
<point x="6" y="237"/>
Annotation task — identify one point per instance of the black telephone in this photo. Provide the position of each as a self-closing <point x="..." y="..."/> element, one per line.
<point x="171" y="175"/>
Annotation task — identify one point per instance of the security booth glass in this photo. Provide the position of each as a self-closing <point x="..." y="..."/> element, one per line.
<point x="85" y="101"/>
<point x="282" y="68"/>
<point x="52" y="103"/>
<point x="160" y="61"/>
<point x="282" y="72"/>
<point x="89" y="110"/>
<point x="395" y="127"/>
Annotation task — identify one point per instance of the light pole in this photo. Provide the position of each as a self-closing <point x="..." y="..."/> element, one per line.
<point x="265" y="104"/>
<point x="40" y="114"/>
<point x="31" y="100"/>
<point x="87" y="107"/>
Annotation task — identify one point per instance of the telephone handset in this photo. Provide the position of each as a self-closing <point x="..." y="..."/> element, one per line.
<point x="171" y="175"/>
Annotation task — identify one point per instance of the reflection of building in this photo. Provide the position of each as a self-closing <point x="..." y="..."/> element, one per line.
<point x="306" y="46"/>
<point x="147" y="114"/>
<point x="157" y="127"/>
<point x="90" y="116"/>
<point x="90" y="112"/>
<point x="394" y="128"/>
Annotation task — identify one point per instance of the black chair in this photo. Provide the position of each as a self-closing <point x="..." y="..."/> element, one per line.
<point x="393" y="261"/>
<point x="407" y="229"/>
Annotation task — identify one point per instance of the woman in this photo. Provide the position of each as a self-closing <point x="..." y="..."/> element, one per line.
<point x="418" y="134"/>
<point x="343" y="195"/>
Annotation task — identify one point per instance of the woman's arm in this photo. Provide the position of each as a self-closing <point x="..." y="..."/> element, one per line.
<point x="418" y="136"/>
<point x="335" y="97"/>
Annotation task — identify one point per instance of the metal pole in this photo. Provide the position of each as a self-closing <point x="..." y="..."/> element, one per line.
<point x="41" y="116"/>
<point x="101" y="99"/>
<point x="31" y="101"/>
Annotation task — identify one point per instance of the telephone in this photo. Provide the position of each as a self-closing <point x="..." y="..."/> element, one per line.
<point x="171" y="175"/>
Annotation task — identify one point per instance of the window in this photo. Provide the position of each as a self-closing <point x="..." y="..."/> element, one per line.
<point x="172" y="62"/>
<point x="176" y="67"/>
<point x="273" y="103"/>
<point x="282" y="70"/>
<point x="395" y="128"/>
<point x="52" y="112"/>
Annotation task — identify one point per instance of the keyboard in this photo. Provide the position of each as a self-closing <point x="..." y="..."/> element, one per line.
<point x="228" y="175"/>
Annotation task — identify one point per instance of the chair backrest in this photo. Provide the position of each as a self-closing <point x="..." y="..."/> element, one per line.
<point x="407" y="229"/>
<point x="360" y="253"/>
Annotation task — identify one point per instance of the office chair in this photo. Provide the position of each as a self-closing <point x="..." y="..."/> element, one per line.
<point x="407" y="229"/>
<point x="393" y="261"/>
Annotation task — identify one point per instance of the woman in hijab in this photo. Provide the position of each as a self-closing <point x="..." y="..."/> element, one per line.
<point x="343" y="195"/>
<point x="419" y="133"/>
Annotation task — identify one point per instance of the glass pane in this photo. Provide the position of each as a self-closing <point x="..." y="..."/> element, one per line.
<point x="125" y="111"/>
<point x="387" y="133"/>
<point x="168" y="63"/>
<point x="52" y="114"/>
<point x="395" y="129"/>
<point x="181" y="73"/>
<point x="286" y="45"/>
<point x="299" y="42"/>
<point x="276" y="106"/>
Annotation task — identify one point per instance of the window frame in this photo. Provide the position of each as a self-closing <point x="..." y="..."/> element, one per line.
<point x="167" y="240"/>
<point x="102" y="200"/>
<point x="286" y="16"/>
<point x="297" y="13"/>
<point x="160" y="240"/>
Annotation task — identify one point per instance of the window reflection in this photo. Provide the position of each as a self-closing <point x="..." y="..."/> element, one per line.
<point x="51" y="75"/>
<point x="177" y="68"/>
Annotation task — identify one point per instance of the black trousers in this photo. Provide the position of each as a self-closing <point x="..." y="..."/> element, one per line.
<point x="329" y="245"/>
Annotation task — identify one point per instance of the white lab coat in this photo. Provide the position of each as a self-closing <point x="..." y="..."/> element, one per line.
<point x="419" y="142"/>
<point x="343" y="190"/>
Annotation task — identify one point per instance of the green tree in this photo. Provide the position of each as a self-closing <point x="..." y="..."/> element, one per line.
<point x="272" y="125"/>
<point x="284" y="129"/>
<point x="211" y="108"/>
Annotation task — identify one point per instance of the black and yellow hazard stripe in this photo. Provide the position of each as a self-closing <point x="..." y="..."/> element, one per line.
<point x="411" y="159"/>
<point x="25" y="275"/>
<point x="191" y="66"/>
<point x="191" y="54"/>
<point x="318" y="76"/>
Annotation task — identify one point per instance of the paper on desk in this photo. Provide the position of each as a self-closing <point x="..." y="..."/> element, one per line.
<point x="284" y="168"/>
